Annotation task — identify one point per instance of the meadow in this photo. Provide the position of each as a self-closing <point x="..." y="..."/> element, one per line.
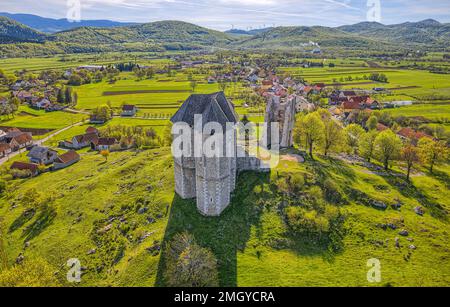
<point x="160" y="95"/>
<point x="62" y="62"/>
<point x="435" y="113"/>
<point x="253" y="245"/>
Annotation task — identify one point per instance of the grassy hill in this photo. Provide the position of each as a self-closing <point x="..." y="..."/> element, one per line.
<point x="292" y="37"/>
<point x="116" y="217"/>
<point x="162" y="32"/>
<point x="12" y="31"/>
<point x="426" y="32"/>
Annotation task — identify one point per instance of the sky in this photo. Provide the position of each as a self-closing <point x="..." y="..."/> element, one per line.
<point x="240" y="14"/>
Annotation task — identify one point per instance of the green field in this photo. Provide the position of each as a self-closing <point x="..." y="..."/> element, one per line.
<point x="30" y="118"/>
<point x="71" y="61"/>
<point x="253" y="245"/>
<point x="419" y="85"/>
<point x="162" y="95"/>
<point x="440" y="112"/>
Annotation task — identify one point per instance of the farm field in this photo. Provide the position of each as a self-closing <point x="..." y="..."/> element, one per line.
<point x="439" y="112"/>
<point x="34" y="119"/>
<point x="71" y="61"/>
<point x="250" y="240"/>
<point x="412" y="84"/>
<point x="162" y="95"/>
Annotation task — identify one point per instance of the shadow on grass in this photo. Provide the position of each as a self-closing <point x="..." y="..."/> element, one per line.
<point x="44" y="219"/>
<point x="24" y="218"/>
<point x="331" y="168"/>
<point x="224" y="235"/>
<point x="442" y="177"/>
<point x="409" y="190"/>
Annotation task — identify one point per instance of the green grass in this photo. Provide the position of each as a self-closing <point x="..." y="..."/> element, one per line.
<point x="29" y="118"/>
<point x="37" y="64"/>
<point x="250" y="240"/>
<point x="164" y="94"/>
<point x="429" y="111"/>
<point x="428" y="84"/>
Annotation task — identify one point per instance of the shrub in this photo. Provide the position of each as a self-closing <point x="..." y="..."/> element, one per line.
<point x="332" y="192"/>
<point x="190" y="265"/>
<point x="20" y="174"/>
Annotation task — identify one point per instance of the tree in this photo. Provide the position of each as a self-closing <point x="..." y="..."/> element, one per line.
<point x="68" y="95"/>
<point x="190" y="265"/>
<point x="410" y="155"/>
<point x="193" y="85"/>
<point x="352" y="135"/>
<point x="60" y="96"/>
<point x="105" y="154"/>
<point x="312" y="130"/>
<point x="31" y="199"/>
<point x="372" y="123"/>
<point x="367" y="145"/>
<point x="387" y="147"/>
<point x="167" y="135"/>
<point x="75" y="98"/>
<point x="332" y="132"/>
<point x="432" y="152"/>
<point x="223" y="85"/>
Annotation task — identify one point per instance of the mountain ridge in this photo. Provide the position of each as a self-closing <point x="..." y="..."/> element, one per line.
<point x="51" y="25"/>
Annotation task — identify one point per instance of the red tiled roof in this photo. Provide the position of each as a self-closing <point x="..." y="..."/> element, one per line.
<point x="351" y="105"/>
<point x="4" y="147"/>
<point x="411" y="134"/>
<point x="25" y="166"/>
<point x="68" y="157"/>
<point x="86" y="138"/>
<point x="91" y="130"/>
<point x="23" y="138"/>
<point x="381" y="127"/>
<point x="106" y="141"/>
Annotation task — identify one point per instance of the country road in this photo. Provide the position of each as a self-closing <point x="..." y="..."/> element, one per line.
<point x="39" y="142"/>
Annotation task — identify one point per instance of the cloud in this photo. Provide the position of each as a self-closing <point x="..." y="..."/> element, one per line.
<point x="221" y="14"/>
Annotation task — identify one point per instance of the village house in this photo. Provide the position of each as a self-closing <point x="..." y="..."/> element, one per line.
<point x="80" y="141"/>
<point x="409" y="134"/>
<point x="23" y="166"/>
<point x="381" y="127"/>
<point x="18" y="140"/>
<point x="66" y="160"/>
<point x="129" y="110"/>
<point x="42" y="104"/>
<point x="96" y="121"/>
<point x="103" y="144"/>
<point x="90" y="67"/>
<point x="90" y="130"/>
<point x="42" y="155"/>
<point x="5" y="150"/>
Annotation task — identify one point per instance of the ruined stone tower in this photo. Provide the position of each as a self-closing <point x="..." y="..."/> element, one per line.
<point x="210" y="180"/>
<point x="281" y="111"/>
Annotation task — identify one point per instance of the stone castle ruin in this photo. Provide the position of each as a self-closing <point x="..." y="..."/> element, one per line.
<point x="211" y="181"/>
<point x="282" y="111"/>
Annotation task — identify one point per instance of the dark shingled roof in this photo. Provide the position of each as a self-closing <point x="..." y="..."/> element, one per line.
<point x="214" y="108"/>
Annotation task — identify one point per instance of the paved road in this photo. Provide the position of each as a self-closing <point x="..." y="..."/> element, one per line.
<point x="39" y="142"/>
